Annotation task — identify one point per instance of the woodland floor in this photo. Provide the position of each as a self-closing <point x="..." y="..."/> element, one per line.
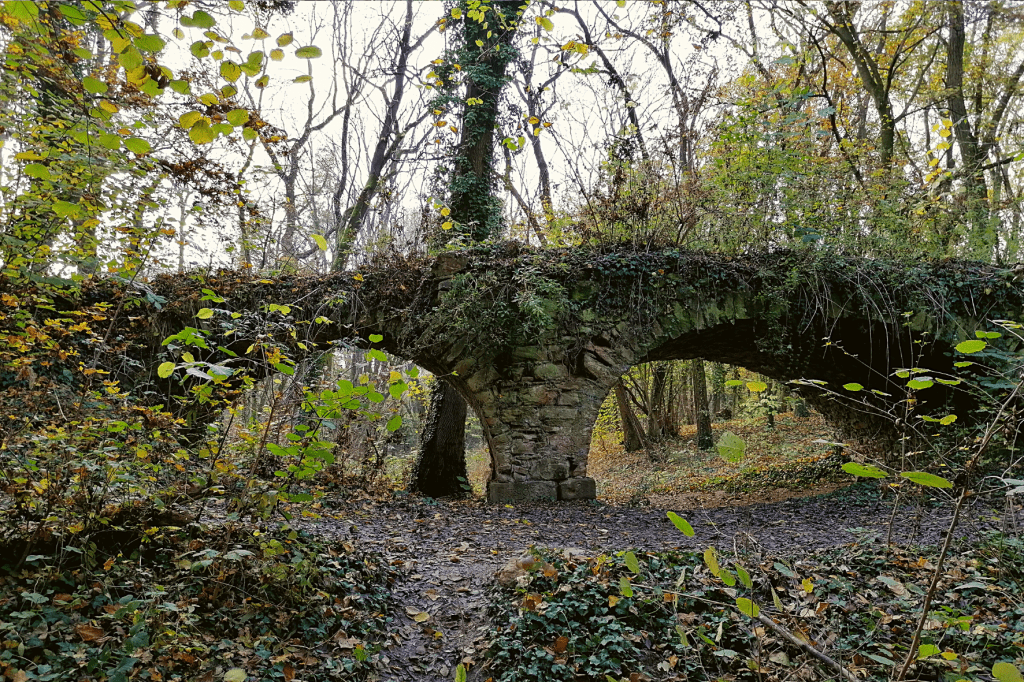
<point x="448" y="552"/>
<point x="782" y="500"/>
<point x="787" y="498"/>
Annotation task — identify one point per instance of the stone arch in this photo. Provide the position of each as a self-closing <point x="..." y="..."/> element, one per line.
<point x="603" y="311"/>
<point x="538" y="407"/>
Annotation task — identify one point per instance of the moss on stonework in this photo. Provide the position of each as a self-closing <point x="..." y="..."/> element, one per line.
<point x="509" y="295"/>
<point x="492" y="302"/>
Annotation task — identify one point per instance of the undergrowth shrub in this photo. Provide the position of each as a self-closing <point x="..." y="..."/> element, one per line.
<point x="187" y="605"/>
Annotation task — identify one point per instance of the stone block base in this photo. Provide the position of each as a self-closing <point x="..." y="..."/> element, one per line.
<point x="506" y="492"/>
<point x="577" y="489"/>
<point x="522" y="491"/>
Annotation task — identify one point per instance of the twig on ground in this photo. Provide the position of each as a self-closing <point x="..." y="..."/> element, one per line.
<point x="912" y="652"/>
<point x="797" y="642"/>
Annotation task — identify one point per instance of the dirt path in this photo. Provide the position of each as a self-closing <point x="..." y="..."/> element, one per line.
<point x="448" y="552"/>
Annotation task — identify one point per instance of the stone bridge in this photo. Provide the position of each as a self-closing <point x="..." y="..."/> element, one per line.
<point x="534" y="340"/>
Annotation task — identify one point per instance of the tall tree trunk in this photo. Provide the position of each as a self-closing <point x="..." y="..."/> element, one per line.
<point x="871" y="76"/>
<point x="387" y="150"/>
<point x="658" y="418"/>
<point x="441" y="465"/>
<point x="488" y="48"/>
<point x="717" y="387"/>
<point x="686" y="397"/>
<point x="982" y="240"/>
<point x="486" y="52"/>
<point x="633" y="436"/>
<point x="734" y="398"/>
<point x="705" y="437"/>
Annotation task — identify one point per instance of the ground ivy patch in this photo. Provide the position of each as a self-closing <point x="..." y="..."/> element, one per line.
<point x="196" y="605"/>
<point x="677" y="615"/>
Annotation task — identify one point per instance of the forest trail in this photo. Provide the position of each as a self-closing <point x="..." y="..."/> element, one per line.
<point x="448" y="552"/>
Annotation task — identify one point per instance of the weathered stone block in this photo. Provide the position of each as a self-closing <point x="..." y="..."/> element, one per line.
<point x="552" y="413"/>
<point x="456" y="351"/>
<point x="523" y="446"/>
<point x="593" y="365"/>
<point x="465" y="366"/>
<point x="550" y="470"/>
<point x="577" y="489"/>
<point x="481" y="380"/>
<point x="569" y="398"/>
<point x="448" y="263"/>
<point x="550" y="372"/>
<point x="527" y="353"/>
<point x="538" y="395"/>
<point x="522" y="491"/>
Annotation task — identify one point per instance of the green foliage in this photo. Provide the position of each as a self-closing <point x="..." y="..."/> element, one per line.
<point x="684" y="618"/>
<point x="581" y="623"/>
<point x="731" y="447"/>
<point x="79" y="447"/>
<point x="187" y="601"/>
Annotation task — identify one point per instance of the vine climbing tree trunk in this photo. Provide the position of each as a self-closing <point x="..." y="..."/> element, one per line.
<point x="440" y="465"/>
<point x="487" y="35"/>
<point x="705" y="437"/>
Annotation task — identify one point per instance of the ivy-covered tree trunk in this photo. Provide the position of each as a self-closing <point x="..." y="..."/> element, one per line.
<point x="705" y="437"/>
<point x="485" y="51"/>
<point x="441" y="465"/>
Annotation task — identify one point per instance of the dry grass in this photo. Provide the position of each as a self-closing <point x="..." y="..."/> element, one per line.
<point x="786" y="459"/>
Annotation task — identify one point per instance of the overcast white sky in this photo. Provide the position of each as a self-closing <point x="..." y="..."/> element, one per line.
<point x="587" y="113"/>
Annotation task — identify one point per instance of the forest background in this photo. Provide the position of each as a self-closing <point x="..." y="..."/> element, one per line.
<point x="280" y="138"/>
